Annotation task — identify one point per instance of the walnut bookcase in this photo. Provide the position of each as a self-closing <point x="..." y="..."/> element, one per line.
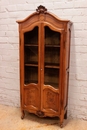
<point x="44" y="64"/>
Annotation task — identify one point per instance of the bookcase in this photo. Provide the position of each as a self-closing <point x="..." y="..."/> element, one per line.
<point x="44" y="64"/>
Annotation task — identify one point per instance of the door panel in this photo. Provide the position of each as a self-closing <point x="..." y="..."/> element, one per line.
<point x="50" y="100"/>
<point x="31" y="96"/>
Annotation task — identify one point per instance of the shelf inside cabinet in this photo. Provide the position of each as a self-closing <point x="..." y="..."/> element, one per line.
<point x="51" y="65"/>
<point x="33" y="64"/>
<point x="52" y="45"/>
<point x="31" y="45"/>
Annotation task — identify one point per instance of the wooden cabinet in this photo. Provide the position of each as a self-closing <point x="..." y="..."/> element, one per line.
<point x="44" y="64"/>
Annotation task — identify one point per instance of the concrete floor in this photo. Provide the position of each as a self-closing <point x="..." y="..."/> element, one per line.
<point x="10" y="120"/>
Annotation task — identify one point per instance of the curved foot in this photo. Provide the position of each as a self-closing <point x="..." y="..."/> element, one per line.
<point x="61" y="125"/>
<point x="23" y="114"/>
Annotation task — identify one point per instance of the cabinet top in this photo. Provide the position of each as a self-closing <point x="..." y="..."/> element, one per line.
<point x="41" y="10"/>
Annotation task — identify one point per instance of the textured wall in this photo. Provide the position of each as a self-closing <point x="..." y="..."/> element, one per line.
<point x="74" y="10"/>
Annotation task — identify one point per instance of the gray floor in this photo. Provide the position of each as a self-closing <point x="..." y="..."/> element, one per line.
<point x="10" y="120"/>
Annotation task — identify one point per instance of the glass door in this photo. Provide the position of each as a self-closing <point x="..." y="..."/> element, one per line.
<point x="51" y="71"/>
<point x="31" y="56"/>
<point x="52" y="58"/>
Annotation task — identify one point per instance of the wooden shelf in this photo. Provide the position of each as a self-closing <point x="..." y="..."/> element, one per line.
<point x="49" y="65"/>
<point x="36" y="45"/>
<point x="31" y="45"/>
<point x="31" y="64"/>
<point x="53" y="67"/>
<point x="46" y="66"/>
<point x="52" y="45"/>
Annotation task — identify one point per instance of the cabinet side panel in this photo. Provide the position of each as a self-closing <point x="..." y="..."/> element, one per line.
<point x="67" y="59"/>
<point x="21" y="64"/>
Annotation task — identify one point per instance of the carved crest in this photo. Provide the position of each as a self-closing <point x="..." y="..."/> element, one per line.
<point x="41" y="9"/>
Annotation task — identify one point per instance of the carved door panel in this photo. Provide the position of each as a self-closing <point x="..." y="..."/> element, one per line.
<point x="32" y="100"/>
<point x="50" y="102"/>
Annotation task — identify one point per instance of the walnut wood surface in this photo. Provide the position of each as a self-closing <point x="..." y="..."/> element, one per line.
<point x="44" y="60"/>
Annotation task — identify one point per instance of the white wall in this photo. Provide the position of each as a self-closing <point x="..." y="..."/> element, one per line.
<point x="74" y="10"/>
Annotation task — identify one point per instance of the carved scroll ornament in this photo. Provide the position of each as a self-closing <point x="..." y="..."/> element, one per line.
<point x="41" y="9"/>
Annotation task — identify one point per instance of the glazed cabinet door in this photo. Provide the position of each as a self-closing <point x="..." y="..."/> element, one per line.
<point x="31" y="65"/>
<point x="51" y="70"/>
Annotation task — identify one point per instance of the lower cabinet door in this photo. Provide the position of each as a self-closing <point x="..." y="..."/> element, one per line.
<point x="32" y="98"/>
<point x="42" y="104"/>
<point x="50" y="102"/>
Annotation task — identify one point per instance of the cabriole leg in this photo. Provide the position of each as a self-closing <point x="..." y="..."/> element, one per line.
<point x="61" y="119"/>
<point x="61" y="124"/>
<point x="23" y="114"/>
